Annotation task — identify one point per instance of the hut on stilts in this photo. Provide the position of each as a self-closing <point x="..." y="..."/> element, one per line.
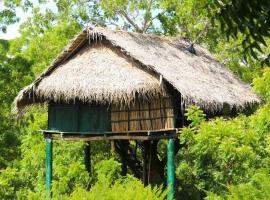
<point x="121" y="86"/>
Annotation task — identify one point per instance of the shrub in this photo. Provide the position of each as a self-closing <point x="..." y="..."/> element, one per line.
<point x="221" y="152"/>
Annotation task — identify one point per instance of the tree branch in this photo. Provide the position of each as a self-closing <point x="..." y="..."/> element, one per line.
<point x="125" y="152"/>
<point x="151" y="20"/>
<point x="124" y="14"/>
<point x="200" y="33"/>
<point x="145" y="16"/>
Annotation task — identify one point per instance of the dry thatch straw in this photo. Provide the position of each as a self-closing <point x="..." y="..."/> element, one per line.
<point x="129" y="63"/>
<point x="143" y="115"/>
<point x="90" y="75"/>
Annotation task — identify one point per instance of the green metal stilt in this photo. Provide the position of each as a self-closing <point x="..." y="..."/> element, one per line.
<point x="49" y="145"/>
<point x="170" y="169"/>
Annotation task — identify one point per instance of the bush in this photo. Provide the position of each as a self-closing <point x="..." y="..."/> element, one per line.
<point x="111" y="186"/>
<point x="122" y="189"/>
<point x="220" y="153"/>
<point x="257" y="188"/>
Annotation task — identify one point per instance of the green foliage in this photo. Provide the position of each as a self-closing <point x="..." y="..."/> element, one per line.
<point x="14" y="74"/>
<point x="42" y="49"/>
<point x="108" y="169"/>
<point x="140" y="16"/>
<point x="257" y="188"/>
<point x="122" y="189"/>
<point x="110" y="185"/>
<point x="250" y="18"/>
<point x="8" y="182"/>
<point x="26" y="175"/>
<point x="262" y="84"/>
<point x="7" y="16"/>
<point x="195" y="115"/>
<point x="187" y="17"/>
<point x="220" y="153"/>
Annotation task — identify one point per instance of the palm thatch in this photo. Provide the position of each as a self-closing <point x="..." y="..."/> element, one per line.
<point x="114" y="66"/>
<point x="89" y="75"/>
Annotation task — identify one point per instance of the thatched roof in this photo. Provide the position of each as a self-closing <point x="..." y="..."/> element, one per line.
<point x="112" y="66"/>
<point x="90" y="75"/>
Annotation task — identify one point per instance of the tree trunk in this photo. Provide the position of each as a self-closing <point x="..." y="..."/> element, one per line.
<point x="155" y="169"/>
<point x="150" y="169"/>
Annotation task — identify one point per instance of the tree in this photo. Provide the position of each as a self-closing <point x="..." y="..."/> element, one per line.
<point x="7" y="17"/>
<point x="138" y="16"/>
<point x="249" y="18"/>
<point x="14" y="74"/>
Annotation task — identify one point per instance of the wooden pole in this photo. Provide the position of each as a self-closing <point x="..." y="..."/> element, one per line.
<point x="124" y="163"/>
<point x="170" y="169"/>
<point x="87" y="156"/>
<point x="49" y="149"/>
<point x="145" y="162"/>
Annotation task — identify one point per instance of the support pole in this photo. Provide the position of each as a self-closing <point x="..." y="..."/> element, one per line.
<point x="123" y="161"/>
<point x="87" y="157"/>
<point x="145" y="162"/>
<point x="49" y="145"/>
<point x="170" y="169"/>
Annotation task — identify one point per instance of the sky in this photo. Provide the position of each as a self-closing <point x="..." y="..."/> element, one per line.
<point x="12" y="30"/>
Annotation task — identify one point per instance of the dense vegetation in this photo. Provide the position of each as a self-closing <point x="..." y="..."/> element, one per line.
<point x="221" y="158"/>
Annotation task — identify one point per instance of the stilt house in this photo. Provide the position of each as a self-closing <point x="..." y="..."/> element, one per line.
<point x="112" y="85"/>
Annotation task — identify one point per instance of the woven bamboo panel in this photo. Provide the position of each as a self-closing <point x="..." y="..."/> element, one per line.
<point x="142" y="115"/>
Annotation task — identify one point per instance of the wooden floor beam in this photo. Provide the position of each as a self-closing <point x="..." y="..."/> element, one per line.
<point x="130" y="135"/>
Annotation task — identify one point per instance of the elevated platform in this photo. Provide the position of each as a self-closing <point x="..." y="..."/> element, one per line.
<point x="128" y="135"/>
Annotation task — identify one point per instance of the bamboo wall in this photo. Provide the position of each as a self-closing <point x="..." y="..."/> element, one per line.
<point x="142" y="115"/>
